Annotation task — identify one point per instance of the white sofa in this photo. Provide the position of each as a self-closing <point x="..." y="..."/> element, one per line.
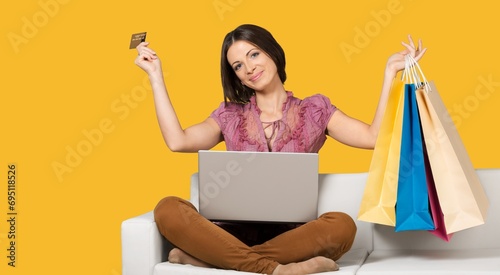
<point x="377" y="249"/>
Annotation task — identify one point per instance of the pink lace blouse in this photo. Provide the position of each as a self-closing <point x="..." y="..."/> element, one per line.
<point x="301" y="129"/>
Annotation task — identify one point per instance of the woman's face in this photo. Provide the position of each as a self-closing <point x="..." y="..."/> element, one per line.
<point x="253" y="66"/>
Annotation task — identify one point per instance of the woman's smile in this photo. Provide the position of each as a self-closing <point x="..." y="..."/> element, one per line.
<point x="256" y="76"/>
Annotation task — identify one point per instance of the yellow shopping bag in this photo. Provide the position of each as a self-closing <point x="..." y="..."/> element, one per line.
<point x="379" y="197"/>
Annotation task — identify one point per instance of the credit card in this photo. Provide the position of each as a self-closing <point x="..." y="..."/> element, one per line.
<point x="136" y="39"/>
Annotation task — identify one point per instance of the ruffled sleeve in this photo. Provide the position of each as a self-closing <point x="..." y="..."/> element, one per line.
<point x="225" y="114"/>
<point x="319" y="110"/>
<point x="231" y="118"/>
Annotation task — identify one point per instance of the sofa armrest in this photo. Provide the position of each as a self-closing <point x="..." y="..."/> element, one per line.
<point x="142" y="245"/>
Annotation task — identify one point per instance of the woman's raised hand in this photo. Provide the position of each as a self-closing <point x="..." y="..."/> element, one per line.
<point x="396" y="62"/>
<point x="147" y="59"/>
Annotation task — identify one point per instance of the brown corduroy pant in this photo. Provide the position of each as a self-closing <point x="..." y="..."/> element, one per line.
<point x="331" y="235"/>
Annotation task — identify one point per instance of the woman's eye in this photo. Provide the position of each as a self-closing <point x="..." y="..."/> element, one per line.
<point x="237" y="67"/>
<point x="255" y="54"/>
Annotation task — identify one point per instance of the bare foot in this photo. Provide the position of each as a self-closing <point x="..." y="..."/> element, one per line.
<point x="178" y="256"/>
<point x="314" y="265"/>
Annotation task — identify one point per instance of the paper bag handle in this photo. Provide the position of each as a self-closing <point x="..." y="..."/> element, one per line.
<point x="413" y="73"/>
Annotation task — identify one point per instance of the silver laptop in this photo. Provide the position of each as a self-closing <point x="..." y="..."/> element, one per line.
<point x="258" y="186"/>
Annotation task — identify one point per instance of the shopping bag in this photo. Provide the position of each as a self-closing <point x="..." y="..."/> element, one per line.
<point x="462" y="199"/>
<point x="437" y="214"/>
<point x="412" y="203"/>
<point x="461" y="196"/>
<point x="379" y="197"/>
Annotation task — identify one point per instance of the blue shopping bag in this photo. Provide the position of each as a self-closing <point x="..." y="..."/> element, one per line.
<point x="412" y="203"/>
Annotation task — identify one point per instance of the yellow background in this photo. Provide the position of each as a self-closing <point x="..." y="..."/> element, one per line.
<point x="67" y="73"/>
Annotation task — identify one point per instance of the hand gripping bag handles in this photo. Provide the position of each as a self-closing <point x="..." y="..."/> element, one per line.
<point x="397" y="170"/>
<point x="456" y="197"/>
<point x="412" y="203"/>
<point x="379" y="197"/>
<point x="439" y="227"/>
<point x="462" y="199"/>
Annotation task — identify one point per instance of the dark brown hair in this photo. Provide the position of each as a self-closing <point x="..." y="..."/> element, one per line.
<point x="234" y="91"/>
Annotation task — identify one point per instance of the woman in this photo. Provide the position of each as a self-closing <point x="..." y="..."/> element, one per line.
<point x="260" y="115"/>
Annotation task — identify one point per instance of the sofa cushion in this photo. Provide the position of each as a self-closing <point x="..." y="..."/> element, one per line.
<point x="349" y="264"/>
<point x="421" y="262"/>
<point x="180" y="269"/>
<point x="343" y="193"/>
